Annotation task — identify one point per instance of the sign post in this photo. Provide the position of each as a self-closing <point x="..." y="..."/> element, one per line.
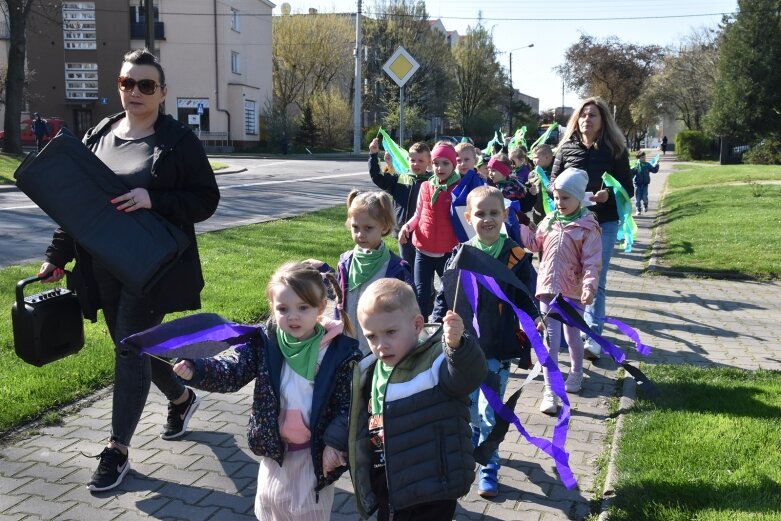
<point x="400" y="67"/>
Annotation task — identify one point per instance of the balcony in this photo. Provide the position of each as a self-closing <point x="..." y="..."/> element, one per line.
<point x="138" y="30"/>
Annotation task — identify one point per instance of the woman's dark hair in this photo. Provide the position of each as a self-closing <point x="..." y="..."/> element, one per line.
<point x="144" y="57"/>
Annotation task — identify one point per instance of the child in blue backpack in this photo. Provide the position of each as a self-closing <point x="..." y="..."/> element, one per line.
<point x="501" y="337"/>
<point x="302" y="365"/>
<point x="641" y="177"/>
<point x="369" y="218"/>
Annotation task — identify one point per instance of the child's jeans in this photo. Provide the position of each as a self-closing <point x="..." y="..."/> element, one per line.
<point x="481" y="414"/>
<point x="641" y="196"/>
<point x="425" y="267"/>
<point x="407" y="252"/>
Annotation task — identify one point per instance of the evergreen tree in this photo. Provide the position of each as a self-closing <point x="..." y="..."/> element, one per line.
<point x="747" y="101"/>
<point x="307" y="135"/>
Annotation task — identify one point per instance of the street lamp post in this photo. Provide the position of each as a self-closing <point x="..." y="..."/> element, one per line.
<point x="512" y="89"/>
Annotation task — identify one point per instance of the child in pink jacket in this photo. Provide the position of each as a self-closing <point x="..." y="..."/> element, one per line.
<point x="571" y="245"/>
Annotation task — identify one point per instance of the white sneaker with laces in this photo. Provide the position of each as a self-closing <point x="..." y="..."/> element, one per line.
<point x="574" y="382"/>
<point x="549" y="404"/>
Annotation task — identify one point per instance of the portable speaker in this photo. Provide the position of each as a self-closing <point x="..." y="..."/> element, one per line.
<point x="48" y="325"/>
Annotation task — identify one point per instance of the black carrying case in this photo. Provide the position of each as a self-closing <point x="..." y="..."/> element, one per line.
<point x="48" y="325"/>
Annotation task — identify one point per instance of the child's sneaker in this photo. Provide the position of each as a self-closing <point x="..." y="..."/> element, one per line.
<point x="549" y="404"/>
<point x="637" y="212"/>
<point x="591" y="352"/>
<point x="112" y="468"/>
<point x="574" y="382"/>
<point x="179" y="416"/>
<point x="488" y="486"/>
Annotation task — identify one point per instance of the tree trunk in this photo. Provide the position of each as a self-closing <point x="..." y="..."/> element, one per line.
<point x="14" y="84"/>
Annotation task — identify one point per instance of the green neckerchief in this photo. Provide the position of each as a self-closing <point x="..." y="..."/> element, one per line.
<point x="365" y="264"/>
<point x="409" y="179"/>
<point x="441" y="187"/>
<point x="493" y="250"/>
<point x="566" y="219"/>
<point x="379" y="383"/>
<point x="301" y="355"/>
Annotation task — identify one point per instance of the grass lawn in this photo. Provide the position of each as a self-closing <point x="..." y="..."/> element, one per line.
<point x="705" y="449"/>
<point x="237" y="264"/>
<point x="8" y="165"/>
<point x="713" y="228"/>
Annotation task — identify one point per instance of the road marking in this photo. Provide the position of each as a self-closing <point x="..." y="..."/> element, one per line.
<point x="27" y="207"/>
<point x="281" y="181"/>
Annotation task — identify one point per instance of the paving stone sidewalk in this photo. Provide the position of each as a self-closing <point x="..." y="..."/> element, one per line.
<point x="210" y="474"/>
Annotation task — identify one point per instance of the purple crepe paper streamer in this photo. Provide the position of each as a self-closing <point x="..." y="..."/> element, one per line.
<point x="218" y="333"/>
<point x="604" y="343"/>
<point x="633" y="335"/>
<point x="555" y="447"/>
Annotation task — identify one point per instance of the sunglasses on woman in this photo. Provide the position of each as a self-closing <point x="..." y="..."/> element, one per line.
<point x="127" y="84"/>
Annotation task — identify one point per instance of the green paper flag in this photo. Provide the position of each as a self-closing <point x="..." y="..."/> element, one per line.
<point x="627" y="228"/>
<point x="547" y="200"/>
<point x="488" y="150"/>
<point x="543" y="138"/>
<point x="399" y="156"/>
<point x="518" y="139"/>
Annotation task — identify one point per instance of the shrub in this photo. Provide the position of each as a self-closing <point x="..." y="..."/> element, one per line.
<point x="693" y="145"/>
<point x="369" y="134"/>
<point x="766" y="152"/>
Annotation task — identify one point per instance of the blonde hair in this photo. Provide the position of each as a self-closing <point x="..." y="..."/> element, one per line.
<point x="483" y="192"/>
<point x="419" y="148"/>
<point x="469" y="147"/>
<point x="518" y="153"/>
<point x="386" y="296"/>
<point x="378" y="205"/>
<point x="310" y="285"/>
<point x="609" y="134"/>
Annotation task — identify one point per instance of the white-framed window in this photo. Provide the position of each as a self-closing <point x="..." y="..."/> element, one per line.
<point x="235" y="20"/>
<point x="250" y="118"/>
<point x="81" y="81"/>
<point x="78" y="27"/>
<point x="235" y="62"/>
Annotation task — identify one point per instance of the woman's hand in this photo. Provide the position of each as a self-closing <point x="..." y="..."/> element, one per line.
<point x="453" y="328"/>
<point x="600" y="197"/>
<point x="333" y="459"/>
<point x="135" y="199"/>
<point x="50" y="273"/>
<point x="184" y="369"/>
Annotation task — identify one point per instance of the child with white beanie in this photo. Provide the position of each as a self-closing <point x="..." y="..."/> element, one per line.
<point x="571" y="245"/>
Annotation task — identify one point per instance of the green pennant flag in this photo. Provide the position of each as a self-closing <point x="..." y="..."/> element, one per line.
<point x="519" y="139"/>
<point x="543" y="138"/>
<point x="547" y="200"/>
<point x="655" y="160"/>
<point x="627" y="228"/>
<point x="488" y="150"/>
<point x="399" y="156"/>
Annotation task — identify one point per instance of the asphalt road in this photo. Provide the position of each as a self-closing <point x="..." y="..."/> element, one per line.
<point x="268" y="189"/>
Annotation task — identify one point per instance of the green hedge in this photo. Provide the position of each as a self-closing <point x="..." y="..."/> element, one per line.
<point x="766" y="152"/>
<point x="693" y="145"/>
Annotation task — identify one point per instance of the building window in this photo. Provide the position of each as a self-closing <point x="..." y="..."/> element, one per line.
<point x="78" y="25"/>
<point x="250" y="118"/>
<point x="81" y="81"/>
<point x="235" y="20"/>
<point x="235" y="62"/>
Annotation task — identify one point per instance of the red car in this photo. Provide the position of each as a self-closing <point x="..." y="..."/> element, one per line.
<point x="53" y="126"/>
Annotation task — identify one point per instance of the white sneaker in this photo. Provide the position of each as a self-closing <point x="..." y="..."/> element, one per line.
<point x="591" y="352"/>
<point x="637" y="212"/>
<point x="574" y="382"/>
<point x="550" y="403"/>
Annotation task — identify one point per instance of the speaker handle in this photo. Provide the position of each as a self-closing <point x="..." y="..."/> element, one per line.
<point x="20" y="288"/>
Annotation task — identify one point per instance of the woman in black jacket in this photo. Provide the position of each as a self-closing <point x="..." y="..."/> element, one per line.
<point x="593" y="142"/>
<point x="166" y="170"/>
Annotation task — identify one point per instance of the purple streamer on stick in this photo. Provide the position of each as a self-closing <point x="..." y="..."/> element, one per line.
<point x="633" y="335"/>
<point x="555" y="447"/>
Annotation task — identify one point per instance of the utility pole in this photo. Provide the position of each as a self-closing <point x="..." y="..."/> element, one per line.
<point x="357" y="109"/>
<point x="512" y="91"/>
<point x="149" y="13"/>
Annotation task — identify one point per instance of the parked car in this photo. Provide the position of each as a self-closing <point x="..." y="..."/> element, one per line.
<point x="53" y="125"/>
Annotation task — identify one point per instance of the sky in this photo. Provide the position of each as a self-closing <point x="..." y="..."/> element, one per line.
<point x="553" y="26"/>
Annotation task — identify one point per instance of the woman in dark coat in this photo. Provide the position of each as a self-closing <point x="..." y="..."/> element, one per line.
<point x="166" y="170"/>
<point x="593" y="142"/>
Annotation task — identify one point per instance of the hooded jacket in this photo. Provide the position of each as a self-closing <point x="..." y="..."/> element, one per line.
<point x="403" y="189"/>
<point x="571" y="255"/>
<point x="428" y="448"/>
<point x="183" y="191"/>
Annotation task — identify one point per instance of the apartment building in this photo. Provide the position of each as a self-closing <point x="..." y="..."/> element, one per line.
<point x="216" y="54"/>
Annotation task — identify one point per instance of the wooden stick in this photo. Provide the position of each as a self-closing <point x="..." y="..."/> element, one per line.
<point x="166" y="360"/>
<point x="458" y="286"/>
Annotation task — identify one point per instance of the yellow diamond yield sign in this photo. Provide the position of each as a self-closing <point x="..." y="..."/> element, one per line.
<point x="401" y="66"/>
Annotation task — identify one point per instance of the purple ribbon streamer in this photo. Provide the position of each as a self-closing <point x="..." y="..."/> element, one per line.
<point x="218" y="333"/>
<point x="633" y="335"/>
<point x="555" y="447"/>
